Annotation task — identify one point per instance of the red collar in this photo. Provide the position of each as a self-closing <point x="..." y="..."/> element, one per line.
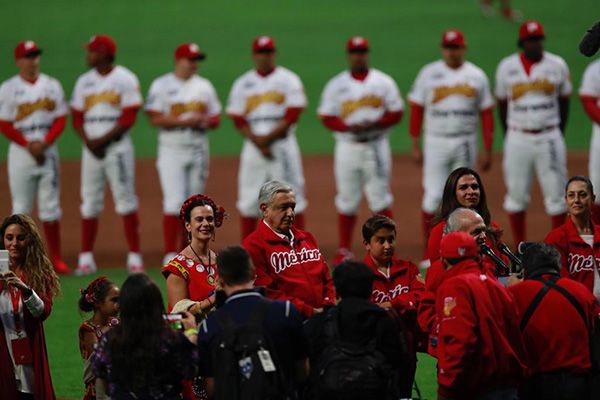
<point x="31" y="81"/>
<point x="463" y="267"/>
<point x="395" y="265"/>
<point x="360" y="76"/>
<point x="574" y="236"/>
<point x="270" y="236"/>
<point x="112" y="68"/>
<point x="527" y="63"/>
<point x="265" y="73"/>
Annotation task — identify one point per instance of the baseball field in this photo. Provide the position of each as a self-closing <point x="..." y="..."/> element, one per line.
<point x="310" y="36"/>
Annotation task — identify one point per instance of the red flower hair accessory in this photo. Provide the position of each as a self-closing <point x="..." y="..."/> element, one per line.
<point x="201" y="200"/>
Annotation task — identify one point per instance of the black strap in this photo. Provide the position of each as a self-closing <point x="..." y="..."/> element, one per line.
<point x="533" y="306"/>
<point x="571" y="299"/>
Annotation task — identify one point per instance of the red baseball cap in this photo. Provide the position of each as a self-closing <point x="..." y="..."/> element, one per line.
<point x="191" y="51"/>
<point x="102" y="44"/>
<point x="458" y="245"/>
<point x="263" y="44"/>
<point x="27" y="48"/>
<point x="453" y="37"/>
<point x="357" y="43"/>
<point x="530" y="30"/>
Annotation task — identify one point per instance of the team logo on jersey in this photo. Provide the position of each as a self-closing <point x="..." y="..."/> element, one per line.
<point x="193" y="106"/>
<point x="380" y="296"/>
<point x="539" y="85"/>
<point x="283" y="260"/>
<point x="349" y="106"/>
<point x="24" y="110"/>
<point x="462" y="89"/>
<point x="110" y="97"/>
<point x="271" y="96"/>
<point x="449" y="304"/>
<point x="578" y="263"/>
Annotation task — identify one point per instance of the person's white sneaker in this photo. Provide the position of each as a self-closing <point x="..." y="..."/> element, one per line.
<point x="135" y="264"/>
<point x="168" y="257"/>
<point x="86" y="264"/>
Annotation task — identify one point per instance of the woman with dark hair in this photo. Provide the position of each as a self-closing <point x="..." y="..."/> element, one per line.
<point x="142" y="357"/>
<point x="26" y="293"/>
<point x="192" y="275"/>
<point x="463" y="188"/>
<point x="578" y="239"/>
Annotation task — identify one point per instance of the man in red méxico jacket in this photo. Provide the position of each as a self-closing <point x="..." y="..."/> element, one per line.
<point x="556" y="335"/>
<point x="288" y="261"/>
<point x="480" y="348"/>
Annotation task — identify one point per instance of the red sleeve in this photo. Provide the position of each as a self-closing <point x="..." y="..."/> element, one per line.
<point x="77" y="118"/>
<point x="433" y="243"/>
<point x="176" y="268"/>
<point x="410" y="301"/>
<point x="128" y="116"/>
<point x="389" y="119"/>
<point x="292" y="114"/>
<point x="487" y="128"/>
<point x="590" y="105"/>
<point x="58" y="126"/>
<point x="239" y="121"/>
<point x="426" y="314"/>
<point x="334" y="123"/>
<point x="214" y="121"/>
<point x="8" y="129"/>
<point x="416" y="119"/>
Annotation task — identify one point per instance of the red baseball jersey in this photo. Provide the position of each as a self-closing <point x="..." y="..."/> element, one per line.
<point x="201" y="279"/>
<point x="294" y="271"/>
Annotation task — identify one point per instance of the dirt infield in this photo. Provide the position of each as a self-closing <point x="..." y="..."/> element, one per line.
<point x="321" y="216"/>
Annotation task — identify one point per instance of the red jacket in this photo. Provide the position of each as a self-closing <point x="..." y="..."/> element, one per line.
<point x="556" y="337"/>
<point x="479" y="342"/>
<point x="577" y="257"/>
<point x="42" y="380"/>
<point x="298" y="273"/>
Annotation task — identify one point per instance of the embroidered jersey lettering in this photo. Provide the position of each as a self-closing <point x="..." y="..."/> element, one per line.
<point x="280" y="261"/>
<point x="380" y="296"/>
<point x="578" y="263"/>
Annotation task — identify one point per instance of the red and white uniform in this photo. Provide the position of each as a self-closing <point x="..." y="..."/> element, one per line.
<point x="291" y="268"/>
<point x="33" y="111"/>
<point x="479" y="343"/>
<point x="589" y="91"/>
<point x="450" y="102"/>
<point x="262" y="101"/>
<point x="183" y="155"/>
<point x="556" y="337"/>
<point x="580" y="254"/>
<point x="201" y="279"/>
<point x="362" y="162"/>
<point x="101" y="99"/>
<point x="533" y="138"/>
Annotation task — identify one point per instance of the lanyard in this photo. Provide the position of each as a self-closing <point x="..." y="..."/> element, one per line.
<point x="15" y="298"/>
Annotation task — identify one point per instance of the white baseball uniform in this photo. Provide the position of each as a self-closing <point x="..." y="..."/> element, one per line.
<point x="263" y="102"/>
<point x="101" y="98"/>
<point x="533" y="138"/>
<point x="32" y="108"/>
<point x="590" y="86"/>
<point x="183" y="155"/>
<point x="363" y="161"/>
<point x="453" y="100"/>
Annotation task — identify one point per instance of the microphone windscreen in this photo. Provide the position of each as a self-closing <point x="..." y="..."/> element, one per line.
<point x="590" y="43"/>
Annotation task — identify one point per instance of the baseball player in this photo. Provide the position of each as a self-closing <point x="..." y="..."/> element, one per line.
<point x="449" y="96"/>
<point x="104" y="106"/>
<point x="184" y="106"/>
<point x="360" y="106"/>
<point x="589" y="93"/>
<point x="533" y="89"/>
<point x="32" y="116"/>
<point x="265" y="104"/>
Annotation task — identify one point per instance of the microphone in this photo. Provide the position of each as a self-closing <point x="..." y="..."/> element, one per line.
<point x="500" y="266"/>
<point x="590" y="43"/>
<point x="506" y="251"/>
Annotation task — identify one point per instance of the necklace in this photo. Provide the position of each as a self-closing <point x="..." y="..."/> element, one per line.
<point x="209" y="270"/>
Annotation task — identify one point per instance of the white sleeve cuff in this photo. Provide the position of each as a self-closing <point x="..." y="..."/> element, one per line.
<point x="34" y="304"/>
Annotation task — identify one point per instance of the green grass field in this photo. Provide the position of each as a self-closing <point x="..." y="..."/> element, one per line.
<point x="310" y="34"/>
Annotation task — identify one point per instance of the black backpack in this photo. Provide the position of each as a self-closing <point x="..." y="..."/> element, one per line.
<point x="246" y="366"/>
<point x="348" y="371"/>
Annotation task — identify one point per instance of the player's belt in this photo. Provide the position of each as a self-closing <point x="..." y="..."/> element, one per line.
<point x="101" y="119"/>
<point x="35" y="128"/>
<point x="536" y="131"/>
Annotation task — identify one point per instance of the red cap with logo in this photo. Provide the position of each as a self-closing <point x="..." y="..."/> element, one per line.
<point x="263" y="44"/>
<point x="191" y="51"/>
<point x="531" y="29"/>
<point x="357" y="43"/>
<point x="458" y="245"/>
<point x="102" y="44"/>
<point x="453" y="37"/>
<point x="27" y="48"/>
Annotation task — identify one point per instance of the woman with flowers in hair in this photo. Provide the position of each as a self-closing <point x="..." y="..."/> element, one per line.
<point x="192" y="275"/>
<point x="26" y="293"/>
<point x="101" y="297"/>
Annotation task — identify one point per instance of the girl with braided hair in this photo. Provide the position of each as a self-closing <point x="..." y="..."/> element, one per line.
<point x="101" y="297"/>
<point x="26" y="294"/>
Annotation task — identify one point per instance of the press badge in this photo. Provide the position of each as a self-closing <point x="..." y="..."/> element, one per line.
<point x="266" y="361"/>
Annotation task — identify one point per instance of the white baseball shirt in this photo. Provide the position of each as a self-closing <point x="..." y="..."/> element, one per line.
<point x="263" y="100"/>
<point x="452" y="98"/>
<point x="32" y="107"/>
<point x="182" y="99"/>
<point x="590" y="86"/>
<point x="355" y="101"/>
<point x="533" y="98"/>
<point x="102" y="98"/>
